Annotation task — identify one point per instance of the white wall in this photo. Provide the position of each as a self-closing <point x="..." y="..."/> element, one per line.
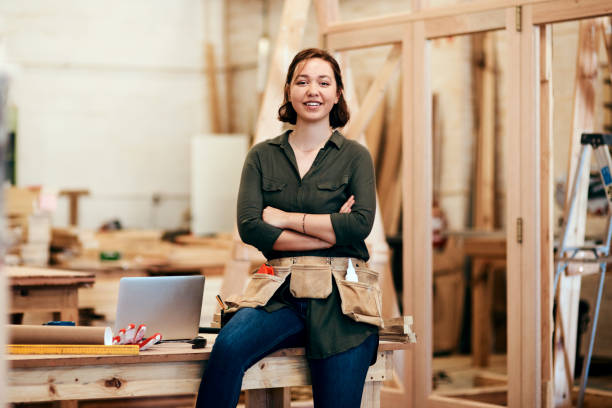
<point x="108" y="95"/>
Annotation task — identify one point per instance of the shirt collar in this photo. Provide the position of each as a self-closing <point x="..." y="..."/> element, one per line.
<point x="283" y="140"/>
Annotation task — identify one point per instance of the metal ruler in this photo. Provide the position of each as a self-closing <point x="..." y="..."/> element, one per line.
<point x="131" y="349"/>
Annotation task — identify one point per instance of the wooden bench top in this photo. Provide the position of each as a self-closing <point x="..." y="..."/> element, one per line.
<point x="27" y="276"/>
<point x="164" y="352"/>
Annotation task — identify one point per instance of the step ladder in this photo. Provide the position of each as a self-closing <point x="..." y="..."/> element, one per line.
<point x="594" y="257"/>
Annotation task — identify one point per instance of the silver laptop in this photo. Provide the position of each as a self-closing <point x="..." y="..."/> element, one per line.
<point x="170" y="305"/>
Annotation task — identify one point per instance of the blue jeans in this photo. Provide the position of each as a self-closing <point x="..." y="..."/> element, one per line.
<point x="337" y="381"/>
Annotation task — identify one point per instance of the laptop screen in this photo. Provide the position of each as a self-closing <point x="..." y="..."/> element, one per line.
<point x="170" y="305"/>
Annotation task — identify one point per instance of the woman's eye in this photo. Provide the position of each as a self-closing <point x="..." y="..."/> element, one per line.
<point x="301" y="83"/>
<point x="324" y="83"/>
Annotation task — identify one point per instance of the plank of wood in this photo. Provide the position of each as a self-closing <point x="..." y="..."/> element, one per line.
<point x="374" y="95"/>
<point x="364" y="37"/>
<point x="158" y="378"/>
<point x="418" y="234"/>
<point x="513" y="70"/>
<point x="175" y="401"/>
<point x="546" y="210"/>
<point x="88" y="382"/>
<point x="398" y="329"/>
<point x="371" y="395"/>
<point x="484" y="246"/>
<point x="28" y="276"/>
<point x="389" y="176"/>
<point x="373" y="132"/>
<point x="326" y="11"/>
<point x="530" y="248"/>
<point x="545" y="11"/>
<point x="484" y="69"/>
<point x="483" y="55"/>
<point x="405" y="396"/>
<point x="569" y="286"/>
<point x="439" y="401"/>
<point x="482" y="288"/>
<point x="73" y="203"/>
<point x="566" y="10"/>
<point x="492" y="394"/>
<point x="605" y="26"/>
<point x="44" y="298"/>
<point x="214" y="114"/>
<point x="465" y="24"/>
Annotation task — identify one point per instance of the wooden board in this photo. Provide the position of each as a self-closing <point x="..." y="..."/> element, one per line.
<point x="27" y="276"/>
<point x="569" y="286"/>
<point x="546" y="209"/>
<point x="166" y="369"/>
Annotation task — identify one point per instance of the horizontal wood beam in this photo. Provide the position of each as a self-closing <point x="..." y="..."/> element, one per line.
<point x="471" y="7"/>
<point x="460" y="19"/>
<point x="439" y="401"/>
<point x="364" y="37"/>
<point x="465" y="24"/>
<point x="494" y="394"/>
<point x="565" y="10"/>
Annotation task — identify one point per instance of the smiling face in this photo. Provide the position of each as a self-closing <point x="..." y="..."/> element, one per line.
<point x="313" y="91"/>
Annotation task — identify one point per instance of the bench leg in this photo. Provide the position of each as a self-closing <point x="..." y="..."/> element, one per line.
<point x="268" y="398"/>
<point x="371" y="394"/>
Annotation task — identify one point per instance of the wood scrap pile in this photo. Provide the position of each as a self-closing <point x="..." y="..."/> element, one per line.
<point x="144" y="250"/>
<point x="27" y="229"/>
<point x="398" y="329"/>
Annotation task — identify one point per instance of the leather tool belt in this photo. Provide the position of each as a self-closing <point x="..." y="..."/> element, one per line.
<point x="311" y="277"/>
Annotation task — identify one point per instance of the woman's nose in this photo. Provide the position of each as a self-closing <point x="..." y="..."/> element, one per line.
<point x="312" y="89"/>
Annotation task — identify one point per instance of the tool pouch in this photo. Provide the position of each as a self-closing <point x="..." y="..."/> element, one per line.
<point x="360" y="300"/>
<point x="259" y="290"/>
<point x="311" y="281"/>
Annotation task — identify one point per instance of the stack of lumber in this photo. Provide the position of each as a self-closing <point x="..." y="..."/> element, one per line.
<point x="144" y="249"/>
<point x="28" y="230"/>
<point x="72" y="239"/>
<point x="398" y="329"/>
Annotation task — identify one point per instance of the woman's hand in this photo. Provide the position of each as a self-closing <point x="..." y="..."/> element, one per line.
<point x="346" y="207"/>
<point x="275" y="217"/>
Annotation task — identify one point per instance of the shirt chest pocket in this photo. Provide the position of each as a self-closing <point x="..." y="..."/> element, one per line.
<point x="272" y="191"/>
<point x="332" y="193"/>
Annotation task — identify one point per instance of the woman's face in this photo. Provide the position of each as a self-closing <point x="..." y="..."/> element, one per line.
<point x="313" y="90"/>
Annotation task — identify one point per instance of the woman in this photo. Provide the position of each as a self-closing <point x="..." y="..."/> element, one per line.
<point x="307" y="201"/>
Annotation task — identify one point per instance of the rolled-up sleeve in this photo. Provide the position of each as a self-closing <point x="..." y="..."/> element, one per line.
<point x="251" y="227"/>
<point x="356" y="225"/>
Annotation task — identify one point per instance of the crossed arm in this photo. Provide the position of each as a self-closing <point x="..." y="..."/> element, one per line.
<point x="303" y="232"/>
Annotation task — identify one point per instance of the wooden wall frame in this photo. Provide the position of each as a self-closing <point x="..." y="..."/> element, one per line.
<point x="528" y="173"/>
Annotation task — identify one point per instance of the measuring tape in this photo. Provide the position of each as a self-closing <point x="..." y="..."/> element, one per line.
<point x="131" y="349"/>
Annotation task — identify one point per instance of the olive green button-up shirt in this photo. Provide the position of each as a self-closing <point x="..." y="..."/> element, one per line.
<point x="270" y="177"/>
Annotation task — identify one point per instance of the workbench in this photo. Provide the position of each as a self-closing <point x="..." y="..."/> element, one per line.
<point x="169" y="369"/>
<point x="46" y="290"/>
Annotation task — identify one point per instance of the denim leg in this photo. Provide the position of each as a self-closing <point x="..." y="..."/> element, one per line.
<point x="250" y="335"/>
<point x="338" y="380"/>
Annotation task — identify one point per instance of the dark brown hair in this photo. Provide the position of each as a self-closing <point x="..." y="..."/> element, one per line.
<point x="339" y="114"/>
